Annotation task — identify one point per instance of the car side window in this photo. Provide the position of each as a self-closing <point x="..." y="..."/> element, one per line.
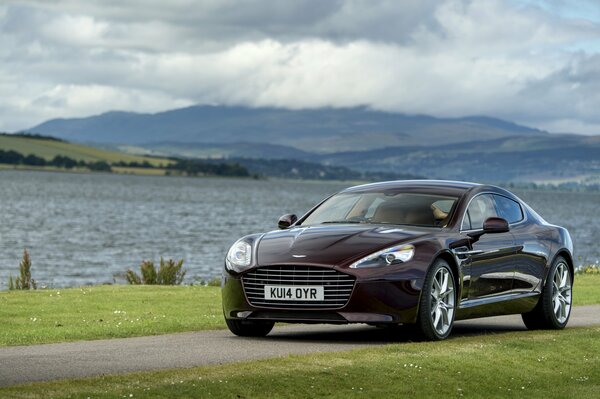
<point x="481" y="208"/>
<point x="466" y="223"/>
<point x="508" y="209"/>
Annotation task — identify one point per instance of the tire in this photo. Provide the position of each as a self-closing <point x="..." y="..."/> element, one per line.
<point x="554" y="306"/>
<point x="437" y="306"/>
<point x="246" y="328"/>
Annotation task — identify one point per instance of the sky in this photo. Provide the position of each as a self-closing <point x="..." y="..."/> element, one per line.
<point x="535" y="62"/>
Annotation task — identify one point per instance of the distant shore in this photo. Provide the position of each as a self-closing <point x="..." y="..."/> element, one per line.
<point x="138" y="171"/>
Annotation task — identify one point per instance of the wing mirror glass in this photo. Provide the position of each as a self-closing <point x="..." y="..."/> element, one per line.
<point x="287" y="220"/>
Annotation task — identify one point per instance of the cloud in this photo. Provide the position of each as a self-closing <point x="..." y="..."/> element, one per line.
<point x="517" y="60"/>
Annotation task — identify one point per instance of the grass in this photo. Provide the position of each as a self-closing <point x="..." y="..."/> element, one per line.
<point x="48" y="149"/>
<point x="45" y="316"/>
<point x="533" y="364"/>
<point x="58" y="315"/>
<point x="586" y="290"/>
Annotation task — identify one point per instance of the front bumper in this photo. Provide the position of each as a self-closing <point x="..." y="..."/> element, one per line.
<point x="379" y="300"/>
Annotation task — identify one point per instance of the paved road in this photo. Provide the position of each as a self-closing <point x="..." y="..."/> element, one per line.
<point x="21" y="364"/>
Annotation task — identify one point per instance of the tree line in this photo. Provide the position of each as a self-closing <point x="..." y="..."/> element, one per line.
<point x="189" y="167"/>
<point x="16" y="158"/>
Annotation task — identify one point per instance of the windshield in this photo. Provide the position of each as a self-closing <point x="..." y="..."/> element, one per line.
<point x="384" y="208"/>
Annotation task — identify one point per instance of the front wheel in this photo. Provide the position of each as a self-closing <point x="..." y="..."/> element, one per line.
<point x="246" y="328"/>
<point x="554" y="307"/>
<point x="437" y="303"/>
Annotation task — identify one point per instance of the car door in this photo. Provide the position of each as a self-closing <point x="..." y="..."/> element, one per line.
<point x="490" y="261"/>
<point x="530" y="258"/>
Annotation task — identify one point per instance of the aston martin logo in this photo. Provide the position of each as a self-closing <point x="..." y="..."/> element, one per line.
<point x="299" y="256"/>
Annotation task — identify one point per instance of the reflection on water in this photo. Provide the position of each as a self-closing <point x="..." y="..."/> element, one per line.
<point x="85" y="228"/>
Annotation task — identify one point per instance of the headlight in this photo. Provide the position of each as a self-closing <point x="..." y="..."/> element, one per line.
<point x="388" y="256"/>
<point x="239" y="256"/>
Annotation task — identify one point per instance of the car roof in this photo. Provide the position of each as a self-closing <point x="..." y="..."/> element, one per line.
<point x="444" y="187"/>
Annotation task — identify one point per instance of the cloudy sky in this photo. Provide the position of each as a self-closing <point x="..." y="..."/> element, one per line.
<point x="536" y="62"/>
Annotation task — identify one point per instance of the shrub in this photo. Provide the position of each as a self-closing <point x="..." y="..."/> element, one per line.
<point x="588" y="269"/>
<point x="132" y="277"/>
<point x="212" y="282"/>
<point x="24" y="281"/>
<point x="149" y="274"/>
<point x="169" y="273"/>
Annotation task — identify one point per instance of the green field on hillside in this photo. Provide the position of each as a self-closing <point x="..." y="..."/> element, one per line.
<point x="48" y="149"/>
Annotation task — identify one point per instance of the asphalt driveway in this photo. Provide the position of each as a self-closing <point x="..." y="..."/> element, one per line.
<point x="21" y="364"/>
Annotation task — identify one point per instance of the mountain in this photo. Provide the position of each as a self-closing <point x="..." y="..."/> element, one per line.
<point x="323" y="130"/>
<point x="551" y="158"/>
<point x="471" y="148"/>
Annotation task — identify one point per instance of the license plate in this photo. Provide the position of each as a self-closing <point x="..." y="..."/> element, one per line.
<point x="297" y="293"/>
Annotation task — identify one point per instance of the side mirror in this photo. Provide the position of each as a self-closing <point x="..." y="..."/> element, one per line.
<point x="490" y="226"/>
<point x="287" y="220"/>
<point x="495" y="225"/>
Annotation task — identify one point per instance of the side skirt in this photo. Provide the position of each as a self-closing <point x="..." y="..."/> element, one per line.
<point x="497" y="305"/>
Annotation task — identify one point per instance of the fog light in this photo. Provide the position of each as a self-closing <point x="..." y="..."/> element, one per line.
<point x="243" y="315"/>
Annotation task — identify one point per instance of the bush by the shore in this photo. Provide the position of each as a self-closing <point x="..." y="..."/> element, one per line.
<point x="24" y="281"/>
<point x="169" y="272"/>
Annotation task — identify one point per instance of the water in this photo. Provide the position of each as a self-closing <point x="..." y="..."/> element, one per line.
<point x="88" y="228"/>
<point x="85" y="228"/>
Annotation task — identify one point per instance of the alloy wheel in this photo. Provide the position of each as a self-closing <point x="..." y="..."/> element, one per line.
<point x="561" y="293"/>
<point x="442" y="301"/>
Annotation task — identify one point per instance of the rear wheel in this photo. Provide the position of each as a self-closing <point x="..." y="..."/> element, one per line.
<point x="437" y="304"/>
<point x="247" y="328"/>
<point x="554" y="307"/>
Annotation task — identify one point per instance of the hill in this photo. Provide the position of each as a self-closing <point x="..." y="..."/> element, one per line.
<point x="554" y="158"/>
<point x="323" y="130"/>
<point x="533" y="158"/>
<point x="48" y="148"/>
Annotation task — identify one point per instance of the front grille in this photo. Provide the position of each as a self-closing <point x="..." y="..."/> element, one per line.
<point x="337" y="286"/>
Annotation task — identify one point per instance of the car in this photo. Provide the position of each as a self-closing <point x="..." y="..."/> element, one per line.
<point x="423" y="253"/>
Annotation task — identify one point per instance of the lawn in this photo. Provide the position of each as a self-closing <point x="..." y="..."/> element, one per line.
<point x="44" y="316"/>
<point x="586" y="289"/>
<point x="532" y="364"/>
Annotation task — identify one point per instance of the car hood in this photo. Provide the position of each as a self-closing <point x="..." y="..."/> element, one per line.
<point x="331" y="244"/>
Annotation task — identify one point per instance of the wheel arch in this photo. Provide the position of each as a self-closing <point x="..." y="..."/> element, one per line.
<point x="451" y="260"/>
<point x="564" y="253"/>
<point x="425" y="327"/>
<point x="447" y="256"/>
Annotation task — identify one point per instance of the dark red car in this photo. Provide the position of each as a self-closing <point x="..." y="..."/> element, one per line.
<point x="404" y="252"/>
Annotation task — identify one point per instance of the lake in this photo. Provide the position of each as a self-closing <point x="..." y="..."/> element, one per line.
<point x="89" y="228"/>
